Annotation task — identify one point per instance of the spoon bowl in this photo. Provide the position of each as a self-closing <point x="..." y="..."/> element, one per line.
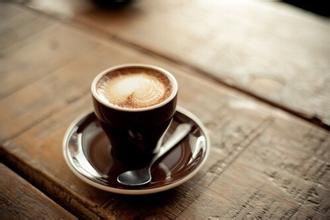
<point x="135" y="177"/>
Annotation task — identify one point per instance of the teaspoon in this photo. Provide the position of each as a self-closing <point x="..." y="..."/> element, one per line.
<point x="143" y="176"/>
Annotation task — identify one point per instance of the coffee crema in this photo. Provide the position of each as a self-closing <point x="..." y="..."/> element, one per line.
<point x="134" y="87"/>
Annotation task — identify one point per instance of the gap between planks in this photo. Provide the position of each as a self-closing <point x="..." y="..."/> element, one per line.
<point x="52" y="112"/>
<point x="22" y="182"/>
<point x="58" y="193"/>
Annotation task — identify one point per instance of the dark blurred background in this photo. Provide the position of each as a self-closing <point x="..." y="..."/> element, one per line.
<point x="317" y="7"/>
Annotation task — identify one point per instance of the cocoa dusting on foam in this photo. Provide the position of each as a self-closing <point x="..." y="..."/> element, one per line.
<point x="134" y="87"/>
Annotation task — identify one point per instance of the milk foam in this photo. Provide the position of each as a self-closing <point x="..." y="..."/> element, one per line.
<point x="135" y="90"/>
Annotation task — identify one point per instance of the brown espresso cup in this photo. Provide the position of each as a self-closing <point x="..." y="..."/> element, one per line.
<point x="134" y="133"/>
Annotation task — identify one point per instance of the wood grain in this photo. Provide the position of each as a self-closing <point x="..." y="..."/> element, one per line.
<point x="18" y="24"/>
<point x="20" y="200"/>
<point x="264" y="163"/>
<point x="270" y="50"/>
<point x="281" y="175"/>
<point x="32" y="58"/>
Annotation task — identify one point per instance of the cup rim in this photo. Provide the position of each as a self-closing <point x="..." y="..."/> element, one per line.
<point x="171" y="78"/>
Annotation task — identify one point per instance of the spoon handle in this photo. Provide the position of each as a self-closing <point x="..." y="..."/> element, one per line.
<point x="180" y="132"/>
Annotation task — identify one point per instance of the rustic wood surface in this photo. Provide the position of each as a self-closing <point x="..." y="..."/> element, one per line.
<point x="23" y="201"/>
<point x="271" y="50"/>
<point x="264" y="162"/>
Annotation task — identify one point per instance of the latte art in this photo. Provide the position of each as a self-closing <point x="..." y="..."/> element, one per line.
<point x="136" y="89"/>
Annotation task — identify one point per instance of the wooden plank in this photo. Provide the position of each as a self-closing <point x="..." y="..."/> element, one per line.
<point x="283" y="174"/>
<point x="18" y="24"/>
<point x="267" y="49"/>
<point x="33" y="58"/>
<point x="49" y="94"/>
<point x="20" y="200"/>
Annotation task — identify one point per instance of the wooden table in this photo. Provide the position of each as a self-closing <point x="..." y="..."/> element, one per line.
<point x="256" y="73"/>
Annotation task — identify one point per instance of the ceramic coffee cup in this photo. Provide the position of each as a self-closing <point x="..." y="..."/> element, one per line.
<point x="134" y="133"/>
